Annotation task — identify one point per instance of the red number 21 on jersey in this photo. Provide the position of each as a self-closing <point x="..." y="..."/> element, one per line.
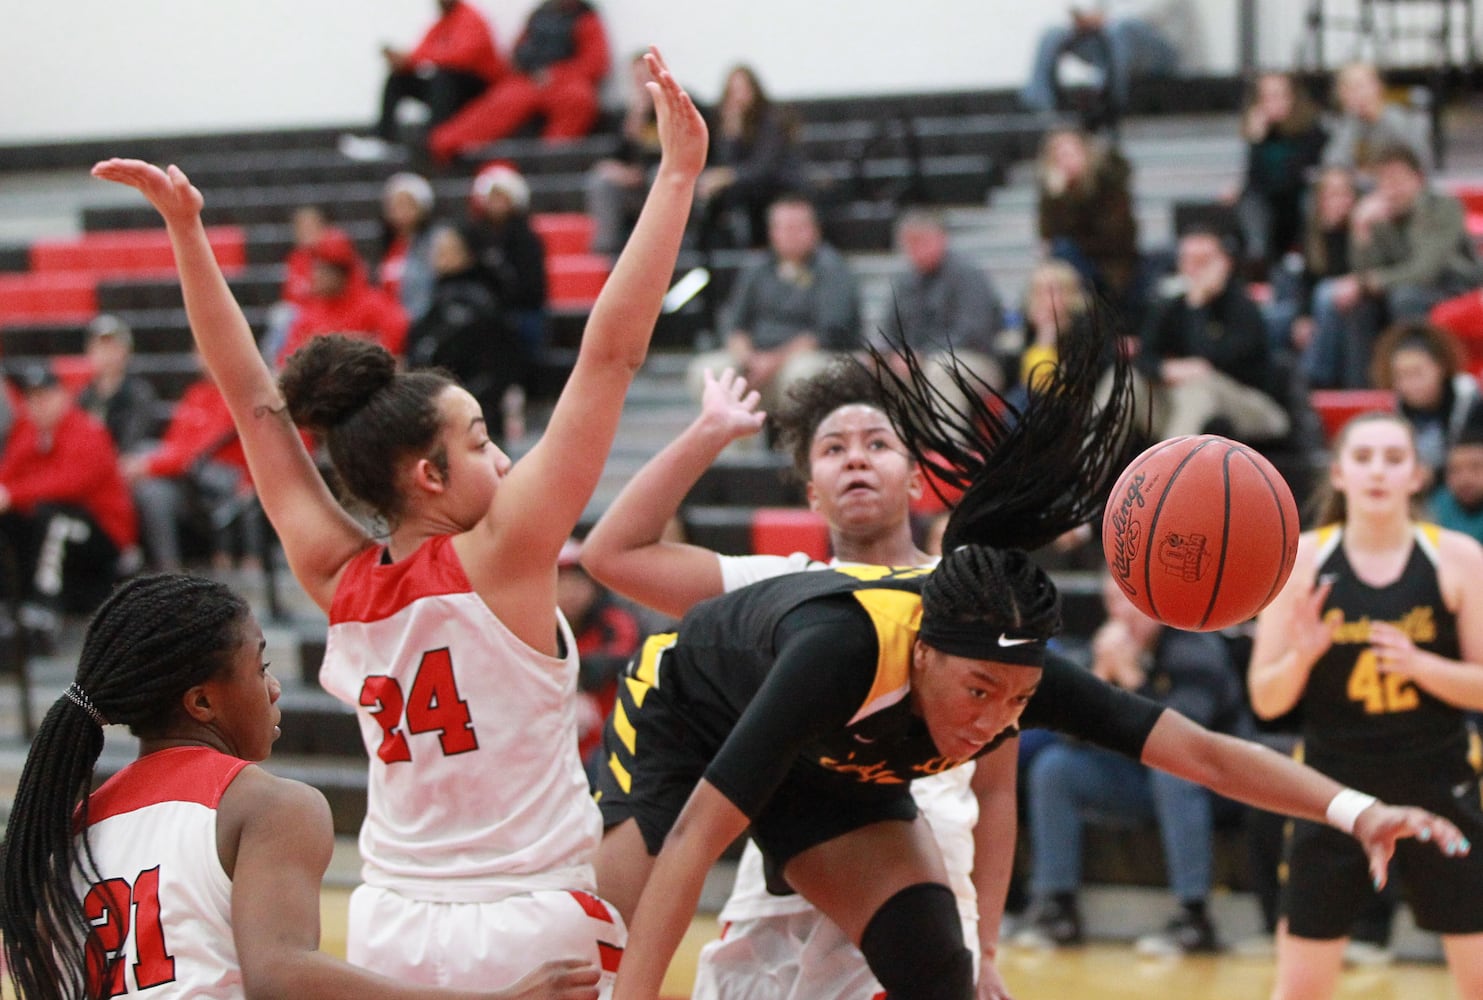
<point x="108" y="905"/>
<point x="433" y="706"/>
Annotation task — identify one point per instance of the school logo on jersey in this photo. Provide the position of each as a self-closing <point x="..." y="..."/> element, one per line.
<point x="874" y="574"/>
<point x="873" y="773"/>
<point x="1184" y="555"/>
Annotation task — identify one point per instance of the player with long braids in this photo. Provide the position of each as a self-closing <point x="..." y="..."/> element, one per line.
<point x="192" y="872"/>
<point x="804" y="705"/>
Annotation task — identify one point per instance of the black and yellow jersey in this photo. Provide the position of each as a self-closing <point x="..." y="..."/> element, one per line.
<point x="1350" y="704"/>
<point x="806" y="679"/>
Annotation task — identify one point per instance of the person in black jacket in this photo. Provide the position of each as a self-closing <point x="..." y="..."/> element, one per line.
<point x="1205" y="358"/>
<point x="466" y="330"/>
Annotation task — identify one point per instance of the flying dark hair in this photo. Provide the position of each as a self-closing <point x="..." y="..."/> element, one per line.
<point x="348" y="391"/>
<point x="1028" y="475"/>
<point x="153" y="640"/>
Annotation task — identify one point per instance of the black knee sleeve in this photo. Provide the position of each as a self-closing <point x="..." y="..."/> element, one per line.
<point x="914" y="945"/>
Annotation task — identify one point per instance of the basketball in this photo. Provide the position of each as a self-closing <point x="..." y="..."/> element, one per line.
<point x="1200" y="532"/>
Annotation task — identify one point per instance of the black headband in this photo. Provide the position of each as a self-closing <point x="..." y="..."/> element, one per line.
<point x="976" y="641"/>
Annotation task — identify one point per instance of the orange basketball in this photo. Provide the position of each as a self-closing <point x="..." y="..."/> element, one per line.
<point x="1200" y="532"/>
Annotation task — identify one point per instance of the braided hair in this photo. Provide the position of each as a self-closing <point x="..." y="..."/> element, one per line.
<point x="150" y="642"/>
<point x="1027" y="474"/>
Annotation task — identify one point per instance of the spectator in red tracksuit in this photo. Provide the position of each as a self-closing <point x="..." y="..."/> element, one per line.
<point x="560" y="59"/>
<point x="342" y="300"/>
<point x="199" y="472"/>
<point x="455" y="62"/>
<point x="65" y="511"/>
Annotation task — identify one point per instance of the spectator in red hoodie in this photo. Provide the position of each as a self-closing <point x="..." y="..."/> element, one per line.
<point x="65" y="510"/>
<point x="198" y="472"/>
<point x="343" y="300"/>
<point x="455" y="62"/>
<point x="310" y="222"/>
<point x="560" y="59"/>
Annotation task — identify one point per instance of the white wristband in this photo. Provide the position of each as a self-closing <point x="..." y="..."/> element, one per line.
<point x="1345" y="808"/>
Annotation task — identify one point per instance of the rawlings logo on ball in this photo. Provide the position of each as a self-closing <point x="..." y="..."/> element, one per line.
<point x="1127" y="532"/>
<point x="1184" y="556"/>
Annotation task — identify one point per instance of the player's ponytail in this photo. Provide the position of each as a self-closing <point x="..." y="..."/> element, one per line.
<point x="154" y="639"/>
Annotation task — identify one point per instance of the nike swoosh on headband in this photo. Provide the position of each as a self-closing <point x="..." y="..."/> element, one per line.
<point x="1005" y="640"/>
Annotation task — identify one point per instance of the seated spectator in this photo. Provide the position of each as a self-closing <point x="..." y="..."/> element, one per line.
<point x="1368" y="123"/>
<point x="1122" y="40"/>
<point x="309" y="222"/>
<point x="197" y="474"/>
<point x="1438" y="398"/>
<point x="122" y="400"/>
<point x="1458" y="502"/>
<point x="513" y="259"/>
<point x="616" y="186"/>
<point x="1056" y="306"/>
<point x="941" y="303"/>
<point x="1069" y="784"/>
<point x="1284" y="141"/>
<point x="753" y="161"/>
<point x="607" y="634"/>
<point x="560" y="59"/>
<point x="1410" y="250"/>
<point x="65" y="511"/>
<point x="455" y="62"/>
<point x="466" y="331"/>
<point x="1086" y="216"/>
<point x="406" y="271"/>
<point x="790" y="313"/>
<point x="1205" y="363"/>
<point x="1325" y="254"/>
<point x="342" y="300"/>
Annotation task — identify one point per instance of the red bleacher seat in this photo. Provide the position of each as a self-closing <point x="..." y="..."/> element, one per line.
<point x="781" y="531"/>
<point x="575" y="279"/>
<point x="564" y="232"/>
<point x="54" y="296"/>
<point x="131" y="252"/>
<point x="1336" y="406"/>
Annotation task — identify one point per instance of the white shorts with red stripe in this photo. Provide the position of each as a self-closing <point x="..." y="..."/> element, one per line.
<point x="801" y="956"/>
<point x="482" y="945"/>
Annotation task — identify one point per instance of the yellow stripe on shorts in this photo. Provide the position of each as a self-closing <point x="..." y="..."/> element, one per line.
<point x="622" y="726"/>
<point x="625" y="780"/>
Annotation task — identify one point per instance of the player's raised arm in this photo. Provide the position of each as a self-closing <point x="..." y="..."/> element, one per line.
<point x="318" y="536"/>
<point x="547" y="491"/>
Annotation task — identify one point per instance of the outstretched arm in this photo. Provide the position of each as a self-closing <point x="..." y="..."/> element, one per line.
<point x="625" y="549"/>
<point x="547" y="491"/>
<point x="995" y="778"/>
<point x="708" y="823"/>
<point x="318" y="536"/>
<point x="1251" y="773"/>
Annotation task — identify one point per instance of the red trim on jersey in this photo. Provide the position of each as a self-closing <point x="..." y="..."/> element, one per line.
<point x="591" y="905"/>
<point x="180" y="774"/>
<point x="371" y="592"/>
<point x="609" y="956"/>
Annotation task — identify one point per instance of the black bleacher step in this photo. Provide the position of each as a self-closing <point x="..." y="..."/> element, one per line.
<point x="162" y="149"/>
<point x="946" y="179"/>
<point x="750" y="479"/>
<point x="15" y="258"/>
<point x="252" y="286"/>
<point x="721" y="529"/>
<point x="316" y="723"/>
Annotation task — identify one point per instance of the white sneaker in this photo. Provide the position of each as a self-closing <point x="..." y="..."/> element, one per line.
<point x="364" y="148"/>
